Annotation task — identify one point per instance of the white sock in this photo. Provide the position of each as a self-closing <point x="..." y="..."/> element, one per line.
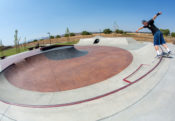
<point x="158" y="53"/>
<point x="168" y="49"/>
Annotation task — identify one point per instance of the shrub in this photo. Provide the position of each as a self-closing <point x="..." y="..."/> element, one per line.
<point x="107" y="31"/>
<point x="173" y="34"/>
<point x="66" y="35"/>
<point x="165" y="32"/>
<point x="72" y="34"/>
<point x="85" y="33"/>
<point x="58" y="36"/>
<point x="35" y="40"/>
<point x="52" y="37"/>
<point x="119" y="31"/>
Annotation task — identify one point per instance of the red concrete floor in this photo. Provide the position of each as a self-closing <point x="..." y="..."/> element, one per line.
<point x="38" y="73"/>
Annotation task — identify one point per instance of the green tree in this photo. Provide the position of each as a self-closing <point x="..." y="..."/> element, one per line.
<point x="85" y="33"/>
<point x="72" y="34"/>
<point x="107" y="31"/>
<point x="165" y="32"/>
<point x="119" y="31"/>
<point x="35" y="40"/>
<point x="52" y="37"/>
<point x="66" y="35"/>
<point x="173" y="34"/>
<point x="58" y="36"/>
<point x="16" y="41"/>
<point x="67" y="31"/>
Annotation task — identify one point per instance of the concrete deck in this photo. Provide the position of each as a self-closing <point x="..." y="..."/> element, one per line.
<point x="147" y="96"/>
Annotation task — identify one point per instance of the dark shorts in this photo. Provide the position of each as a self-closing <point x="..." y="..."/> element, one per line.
<point x="159" y="39"/>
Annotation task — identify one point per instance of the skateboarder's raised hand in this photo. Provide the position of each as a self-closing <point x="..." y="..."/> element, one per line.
<point x="159" y="13"/>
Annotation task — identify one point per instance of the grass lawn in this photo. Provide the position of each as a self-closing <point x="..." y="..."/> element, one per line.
<point x="12" y="51"/>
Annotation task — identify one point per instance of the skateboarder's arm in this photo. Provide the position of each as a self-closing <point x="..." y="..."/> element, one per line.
<point x="140" y="29"/>
<point x="159" y="13"/>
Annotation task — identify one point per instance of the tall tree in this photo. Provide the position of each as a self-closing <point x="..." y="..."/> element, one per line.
<point x="68" y="34"/>
<point x="16" y="40"/>
<point x="49" y="38"/>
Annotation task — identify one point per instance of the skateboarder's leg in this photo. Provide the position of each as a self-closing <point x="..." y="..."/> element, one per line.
<point x="163" y="42"/>
<point x="165" y="46"/>
<point x="157" y="42"/>
<point x="157" y="50"/>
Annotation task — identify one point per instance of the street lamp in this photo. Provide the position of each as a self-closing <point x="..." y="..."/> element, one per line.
<point x="49" y="37"/>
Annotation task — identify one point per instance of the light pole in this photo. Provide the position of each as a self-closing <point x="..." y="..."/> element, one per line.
<point x="49" y="37"/>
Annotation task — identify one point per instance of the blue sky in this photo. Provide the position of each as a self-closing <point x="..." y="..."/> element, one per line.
<point x="34" y="18"/>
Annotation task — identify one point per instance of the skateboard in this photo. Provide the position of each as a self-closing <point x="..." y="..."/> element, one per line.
<point x="166" y="55"/>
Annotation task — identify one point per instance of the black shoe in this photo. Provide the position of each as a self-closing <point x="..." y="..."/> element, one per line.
<point x="158" y="56"/>
<point x="169" y="52"/>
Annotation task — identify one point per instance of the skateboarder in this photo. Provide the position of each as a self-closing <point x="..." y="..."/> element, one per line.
<point x="158" y="36"/>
